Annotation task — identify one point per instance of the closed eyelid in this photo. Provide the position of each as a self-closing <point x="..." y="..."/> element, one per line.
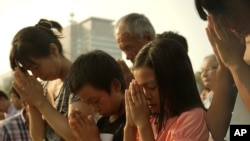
<point x="93" y="100"/>
<point x="85" y="101"/>
<point x="151" y="88"/>
<point x="33" y="67"/>
<point x="149" y="85"/>
<point x="208" y="69"/>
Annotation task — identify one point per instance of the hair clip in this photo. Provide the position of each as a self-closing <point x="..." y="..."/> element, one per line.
<point x="20" y="66"/>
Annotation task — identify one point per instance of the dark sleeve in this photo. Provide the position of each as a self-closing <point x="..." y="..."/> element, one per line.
<point x="118" y="136"/>
<point x="6" y="135"/>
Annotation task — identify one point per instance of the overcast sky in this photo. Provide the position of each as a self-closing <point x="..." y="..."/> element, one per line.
<point x="175" y="15"/>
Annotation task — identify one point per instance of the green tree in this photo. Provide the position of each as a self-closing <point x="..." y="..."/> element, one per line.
<point x="7" y="83"/>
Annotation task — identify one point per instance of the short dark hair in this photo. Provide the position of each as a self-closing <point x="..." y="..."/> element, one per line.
<point x="4" y="95"/>
<point x="174" y="74"/>
<point x="174" y="36"/>
<point x="96" y="68"/>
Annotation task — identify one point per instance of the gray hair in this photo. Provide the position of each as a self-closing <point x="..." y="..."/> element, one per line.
<point x="136" y="24"/>
<point x="213" y="57"/>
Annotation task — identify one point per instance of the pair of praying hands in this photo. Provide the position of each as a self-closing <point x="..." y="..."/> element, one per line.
<point x="28" y="87"/>
<point x="228" y="47"/>
<point x="83" y="127"/>
<point x="137" y="111"/>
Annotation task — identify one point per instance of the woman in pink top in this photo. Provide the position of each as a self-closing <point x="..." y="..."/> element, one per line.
<point x="163" y="102"/>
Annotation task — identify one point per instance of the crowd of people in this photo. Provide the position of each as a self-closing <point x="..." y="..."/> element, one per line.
<point x="100" y="99"/>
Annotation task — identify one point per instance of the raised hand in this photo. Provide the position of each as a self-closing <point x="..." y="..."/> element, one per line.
<point x="226" y="45"/>
<point x="29" y="89"/>
<point x="138" y="108"/>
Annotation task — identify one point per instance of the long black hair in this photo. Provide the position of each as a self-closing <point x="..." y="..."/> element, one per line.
<point x="174" y="75"/>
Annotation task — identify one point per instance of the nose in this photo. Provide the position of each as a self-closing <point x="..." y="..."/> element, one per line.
<point x="206" y="71"/>
<point x="203" y="74"/>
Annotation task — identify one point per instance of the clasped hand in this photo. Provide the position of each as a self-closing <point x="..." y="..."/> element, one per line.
<point x="83" y="127"/>
<point x="29" y="89"/>
<point x="228" y="47"/>
<point x="137" y="111"/>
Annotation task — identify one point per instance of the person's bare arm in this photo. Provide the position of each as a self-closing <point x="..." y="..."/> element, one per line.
<point x="130" y="130"/>
<point x="137" y="115"/>
<point x="35" y="120"/>
<point x="58" y="122"/>
<point x="220" y="111"/>
<point x="31" y="91"/>
<point x="129" y="134"/>
<point x="241" y="75"/>
<point x="231" y="49"/>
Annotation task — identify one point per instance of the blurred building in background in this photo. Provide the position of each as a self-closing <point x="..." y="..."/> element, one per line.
<point x="92" y="33"/>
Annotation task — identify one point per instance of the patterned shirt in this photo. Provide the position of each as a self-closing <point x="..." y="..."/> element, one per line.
<point x="61" y="103"/>
<point x="15" y="128"/>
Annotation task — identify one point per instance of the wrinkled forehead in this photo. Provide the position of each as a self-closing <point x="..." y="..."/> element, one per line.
<point x="120" y="29"/>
